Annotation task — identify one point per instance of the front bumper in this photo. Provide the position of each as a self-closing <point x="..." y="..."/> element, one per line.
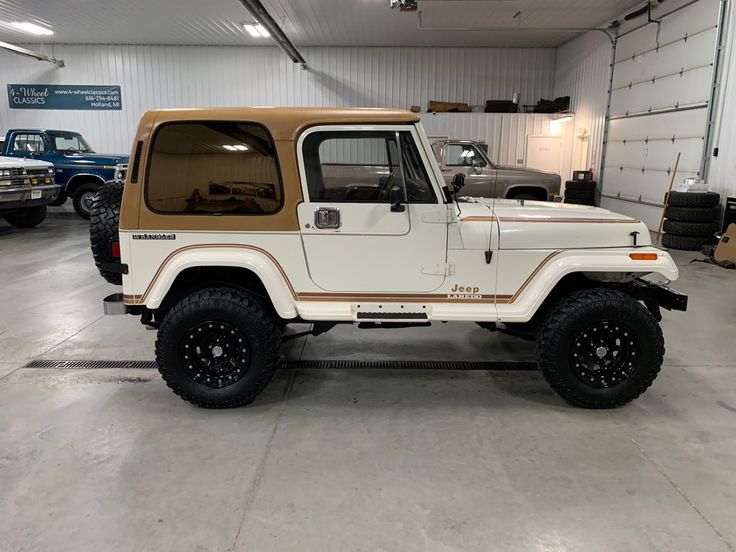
<point x="21" y="197"/>
<point x="656" y="295"/>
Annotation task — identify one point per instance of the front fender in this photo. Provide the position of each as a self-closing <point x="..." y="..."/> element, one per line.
<point x="521" y="306"/>
<point x="252" y="258"/>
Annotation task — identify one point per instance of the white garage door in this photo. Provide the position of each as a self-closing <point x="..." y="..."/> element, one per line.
<point x="660" y="95"/>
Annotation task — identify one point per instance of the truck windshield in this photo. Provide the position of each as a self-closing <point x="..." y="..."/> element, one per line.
<point x="69" y="142"/>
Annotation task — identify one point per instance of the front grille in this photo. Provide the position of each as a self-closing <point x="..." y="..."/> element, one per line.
<point x="20" y="177"/>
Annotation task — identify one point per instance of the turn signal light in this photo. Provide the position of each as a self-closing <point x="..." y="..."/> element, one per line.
<point x="643" y="256"/>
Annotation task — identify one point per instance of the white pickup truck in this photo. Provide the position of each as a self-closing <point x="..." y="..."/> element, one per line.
<point x="234" y="222"/>
<point x="26" y="187"/>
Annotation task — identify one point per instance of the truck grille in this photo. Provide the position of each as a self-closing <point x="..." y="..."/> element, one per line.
<point x="35" y="177"/>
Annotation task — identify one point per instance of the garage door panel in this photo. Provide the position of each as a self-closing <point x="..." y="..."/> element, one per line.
<point x="697" y="51"/>
<point x="635" y="184"/>
<point x="699" y="16"/>
<point x="660" y="125"/>
<point x="636" y="42"/>
<point x="648" y="214"/>
<point x="691" y="88"/>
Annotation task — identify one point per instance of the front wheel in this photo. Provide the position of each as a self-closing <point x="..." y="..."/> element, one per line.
<point x="27" y="218"/>
<point x="599" y="348"/>
<point x="83" y="199"/>
<point x="218" y="348"/>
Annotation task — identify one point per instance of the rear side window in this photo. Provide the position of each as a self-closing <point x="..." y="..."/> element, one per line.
<point x="28" y="143"/>
<point x="214" y="168"/>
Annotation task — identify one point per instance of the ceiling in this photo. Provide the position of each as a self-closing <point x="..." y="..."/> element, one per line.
<point x="308" y="22"/>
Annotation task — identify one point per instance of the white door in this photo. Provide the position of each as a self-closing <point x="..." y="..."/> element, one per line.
<point x="372" y="220"/>
<point x="544" y="153"/>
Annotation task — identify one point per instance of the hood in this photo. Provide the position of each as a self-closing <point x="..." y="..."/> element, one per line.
<point x="25" y="162"/>
<point x="545" y="225"/>
<point x="95" y="158"/>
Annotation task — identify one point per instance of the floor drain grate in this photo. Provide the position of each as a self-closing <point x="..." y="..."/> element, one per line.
<point x="307" y="364"/>
<point x="69" y="364"/>
<point x="406" y="365"/>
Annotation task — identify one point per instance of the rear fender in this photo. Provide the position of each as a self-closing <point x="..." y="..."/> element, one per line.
<point x="252" y="258"/>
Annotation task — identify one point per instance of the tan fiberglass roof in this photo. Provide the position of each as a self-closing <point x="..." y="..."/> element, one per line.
<point x="285" y="123"/>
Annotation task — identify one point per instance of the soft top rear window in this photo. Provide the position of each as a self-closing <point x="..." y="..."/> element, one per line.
<point x="215" y="168"/>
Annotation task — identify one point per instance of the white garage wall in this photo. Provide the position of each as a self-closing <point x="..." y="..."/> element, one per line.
<point x="159" y="76"/>
<point x="583" y="73"/>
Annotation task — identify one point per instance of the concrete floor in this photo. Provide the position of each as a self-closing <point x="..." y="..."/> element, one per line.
<point x="384" y="460"/>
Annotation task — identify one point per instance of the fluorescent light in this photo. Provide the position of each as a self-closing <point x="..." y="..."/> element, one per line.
<point x="563" y="119"/>
<point x="229" y="148"/>
<point x="240" y="147"/>
<point x="31" y="28"/>
<point x="256" y="30"/>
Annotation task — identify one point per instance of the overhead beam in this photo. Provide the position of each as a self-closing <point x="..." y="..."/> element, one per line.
<point x="258" y="11"/>
<point x="30" y="53"/>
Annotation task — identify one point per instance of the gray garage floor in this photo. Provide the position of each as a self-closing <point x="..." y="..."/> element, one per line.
<point x="354" y="459"/>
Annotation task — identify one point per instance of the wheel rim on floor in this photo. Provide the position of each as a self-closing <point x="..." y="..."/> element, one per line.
<point x="605" y="354"/>
<point x="216" y="354"/>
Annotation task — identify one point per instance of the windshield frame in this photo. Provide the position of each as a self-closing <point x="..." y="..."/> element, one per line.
<point x="53" y="135"/>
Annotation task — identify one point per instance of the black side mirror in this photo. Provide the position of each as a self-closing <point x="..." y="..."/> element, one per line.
<point x="458" y="181"/>
<point x="397" y="199"/>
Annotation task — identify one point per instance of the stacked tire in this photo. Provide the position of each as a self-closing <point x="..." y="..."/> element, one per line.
<point x="580" y="192"/>
<point x="691" y="220"/>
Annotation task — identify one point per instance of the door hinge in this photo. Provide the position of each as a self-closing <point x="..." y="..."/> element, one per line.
<point x="439" y="269"/>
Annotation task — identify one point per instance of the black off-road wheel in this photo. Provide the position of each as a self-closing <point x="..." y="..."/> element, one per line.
<point x="27" y="218"/>
<point x="83" y="199"/>
<point x="103" y="228"/>
<point x="580" y="194"/>
<point x="687" y="243"/>
<point x="706" y="229"/>
<point x="580" y="185"/>
<point x="693" y="199"/>
<point x="218" y="348"/>
<point x="692" y="214"/>
<point x="599" y="348"/>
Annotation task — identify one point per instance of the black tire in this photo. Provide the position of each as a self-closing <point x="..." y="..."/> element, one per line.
<point x="576" y="201"/>
<point x="618" y="323"/>
<point x="27" y="218"/>
<point x="693" y="199"/>
<point x="706" y="229"/>
<point x="103" y="227"/>
<point x="59" y="200"/>
<point x="686" y="243"/>
<point x="580" y="194"/>
<point x="692" y="214"/>
<point x="580" y="185"/>
<point x="83" y="198"/>
<point x="242" y="320"/>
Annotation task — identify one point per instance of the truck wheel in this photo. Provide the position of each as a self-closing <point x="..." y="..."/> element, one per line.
<point x="599" y="348"/>
<point x="103" y="228"/>
<point x="59" y="200"/>
<point x="27" y="218"/>
<point x="83" y="198"/>
<point x="218" y="348"/>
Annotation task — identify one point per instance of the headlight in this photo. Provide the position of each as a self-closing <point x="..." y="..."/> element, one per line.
<point x="4" y="172"/>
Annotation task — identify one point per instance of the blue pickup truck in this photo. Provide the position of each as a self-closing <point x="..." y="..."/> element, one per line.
<point x="78" y="169"/>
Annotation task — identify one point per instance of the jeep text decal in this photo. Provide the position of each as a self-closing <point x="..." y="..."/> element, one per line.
<point x="465" y="292"/>
<point x="154" y="236"/>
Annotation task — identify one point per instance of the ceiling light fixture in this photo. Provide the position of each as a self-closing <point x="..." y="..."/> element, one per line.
<point x="256" y="30"/>
<point x="31" y="28"/>
<point x="229" y="148"/>
<point x="240" y="147"/>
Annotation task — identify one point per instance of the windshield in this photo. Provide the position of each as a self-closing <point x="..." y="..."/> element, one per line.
<point x="69" y="142"/>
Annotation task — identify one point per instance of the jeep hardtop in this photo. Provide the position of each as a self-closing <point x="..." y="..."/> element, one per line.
<point x="234" y="222"/>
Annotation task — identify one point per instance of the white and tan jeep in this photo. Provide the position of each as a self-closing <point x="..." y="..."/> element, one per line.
<point x="235" y="222"/>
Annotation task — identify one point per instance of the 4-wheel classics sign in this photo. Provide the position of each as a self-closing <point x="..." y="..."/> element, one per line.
<point x="65" y="96"/>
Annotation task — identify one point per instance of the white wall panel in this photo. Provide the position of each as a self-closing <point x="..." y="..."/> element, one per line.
<point x="189" y="76"/>
<point x="583" y="72"/>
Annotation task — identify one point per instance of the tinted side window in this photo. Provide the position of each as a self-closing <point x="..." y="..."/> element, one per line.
<point x="365" y="167"/>
<point x="28" y="143"/>
<point x="214" y="167"/>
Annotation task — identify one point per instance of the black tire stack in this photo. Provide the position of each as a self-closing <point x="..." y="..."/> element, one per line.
<point x="580" y="192"/>
<point x="691" y="220"/>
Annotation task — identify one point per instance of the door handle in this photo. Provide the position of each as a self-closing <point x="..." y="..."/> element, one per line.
<point x="327" y="217"/>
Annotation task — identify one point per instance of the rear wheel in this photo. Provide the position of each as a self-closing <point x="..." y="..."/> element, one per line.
<point x="83" y="199"/>
<point x="103" y="228"/>
<point x="27" y="218"/>
<point x="599" y="348"/>
<point x="218" y="348"/>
